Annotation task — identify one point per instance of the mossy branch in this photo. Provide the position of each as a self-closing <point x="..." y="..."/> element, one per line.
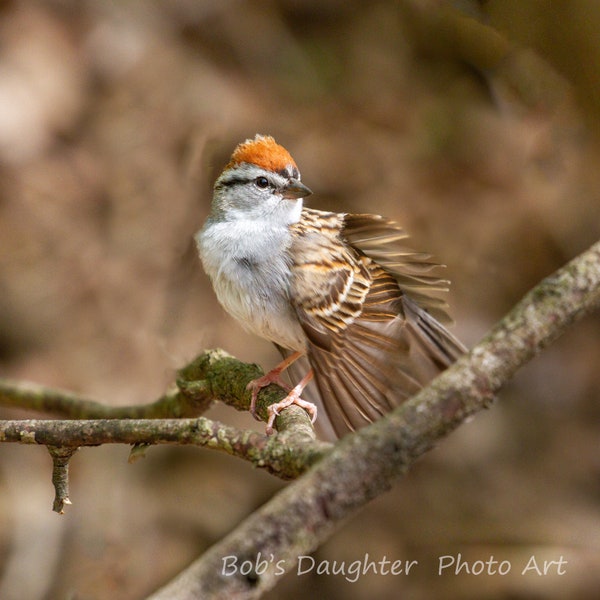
<point x="214" y="375"/>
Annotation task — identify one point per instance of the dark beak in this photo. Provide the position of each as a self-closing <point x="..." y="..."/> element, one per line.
<point x="295" y="189"/>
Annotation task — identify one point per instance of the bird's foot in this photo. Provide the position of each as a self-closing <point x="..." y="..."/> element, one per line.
<point x="258" y="384"/>
<point x="292" y="398"/>
<point x="273" y="376"/>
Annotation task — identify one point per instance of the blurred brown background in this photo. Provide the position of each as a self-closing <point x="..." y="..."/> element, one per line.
<point x="475" y="124"/>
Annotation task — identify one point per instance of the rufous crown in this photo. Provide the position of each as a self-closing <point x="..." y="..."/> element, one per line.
<point x="264" y="152"/>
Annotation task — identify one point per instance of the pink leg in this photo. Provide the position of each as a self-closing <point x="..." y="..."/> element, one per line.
<point x="293" y="398"/>
<point x="273" y="376"/>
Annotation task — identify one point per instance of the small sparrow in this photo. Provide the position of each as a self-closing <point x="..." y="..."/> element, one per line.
<point x="338" y="289"/>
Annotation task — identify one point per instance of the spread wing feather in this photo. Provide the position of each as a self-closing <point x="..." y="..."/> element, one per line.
<point x="372" y="342"/>
<point x="383" y="241"/>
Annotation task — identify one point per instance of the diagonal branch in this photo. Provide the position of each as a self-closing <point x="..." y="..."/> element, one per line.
<point x="362" y="466"/>
<point x="302" y="516"/>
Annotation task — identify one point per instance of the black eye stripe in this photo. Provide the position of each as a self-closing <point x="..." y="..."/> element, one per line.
<point x="232" y="179"/>
<point x="242" y="180"/>
<point x="235" y="180"/>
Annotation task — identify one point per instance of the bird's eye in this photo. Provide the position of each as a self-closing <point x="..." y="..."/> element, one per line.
<point x="262" y="182"/>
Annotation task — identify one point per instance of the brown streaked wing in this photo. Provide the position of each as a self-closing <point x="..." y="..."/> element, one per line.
<point x="369" y="345"/>
<point x="383" y="240"/>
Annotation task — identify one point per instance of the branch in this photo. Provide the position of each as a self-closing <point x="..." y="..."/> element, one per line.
<point x="286" y="455"/>
<point x="214" y="375"/>
<point x="362" y="466"/>
<point x="191" y="399"/>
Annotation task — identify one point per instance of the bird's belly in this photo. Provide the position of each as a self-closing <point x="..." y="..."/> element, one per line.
<point x="262" y="307"/>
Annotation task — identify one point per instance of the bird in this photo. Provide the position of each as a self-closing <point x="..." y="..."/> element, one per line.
<point x="339" y="294"/>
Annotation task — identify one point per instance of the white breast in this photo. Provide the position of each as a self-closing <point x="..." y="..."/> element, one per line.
<point x="248" y="266"/>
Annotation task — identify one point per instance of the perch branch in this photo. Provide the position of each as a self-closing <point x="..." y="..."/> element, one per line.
<point x="214" y="375"/>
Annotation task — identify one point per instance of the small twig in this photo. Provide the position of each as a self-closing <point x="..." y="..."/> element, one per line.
<point x="60" y="476"/>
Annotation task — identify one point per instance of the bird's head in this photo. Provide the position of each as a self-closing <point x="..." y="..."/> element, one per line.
<point x="260" y="181"/>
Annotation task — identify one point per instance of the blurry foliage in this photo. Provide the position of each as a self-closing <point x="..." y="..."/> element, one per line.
<point x="475" y="124"/>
